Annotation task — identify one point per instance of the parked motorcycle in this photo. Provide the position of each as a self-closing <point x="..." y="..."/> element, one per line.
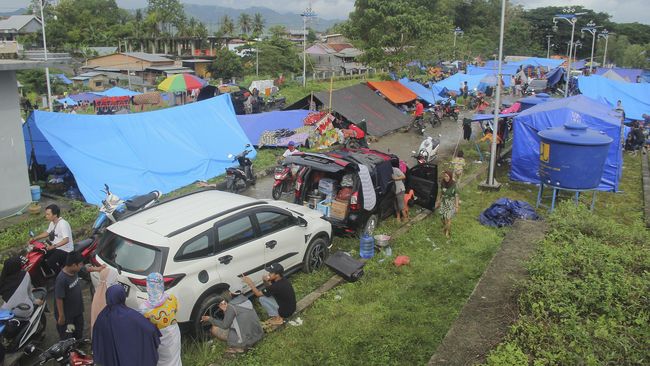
<point x="239" y="178"/>
<point x="428" y="151"/>
<point x="434" y="115"/>
<point x="16" y="333"/>
<point x="450" y="109"/>
<point x="113" y="207"/>
<point x="283" y="181"/>
<point x="65" y="352"/>
<point x="418" y="125"/>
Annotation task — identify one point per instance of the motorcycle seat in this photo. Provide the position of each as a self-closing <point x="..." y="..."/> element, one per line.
<point x="138" y="202"/>
<point x="81" y="245"/>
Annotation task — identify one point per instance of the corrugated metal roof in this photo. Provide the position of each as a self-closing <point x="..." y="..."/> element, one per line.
<point x="150" y="57"/>
<point x="16" y="22"/>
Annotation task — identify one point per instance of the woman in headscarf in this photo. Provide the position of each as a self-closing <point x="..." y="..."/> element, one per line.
<point x="16" y="289"/>
<point x="160" y="308"/>
<point x="107" y="278"/>
<point x="122" y="336"/>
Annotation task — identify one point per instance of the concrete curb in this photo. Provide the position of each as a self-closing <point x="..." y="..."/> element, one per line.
<point x="645" y="173"/>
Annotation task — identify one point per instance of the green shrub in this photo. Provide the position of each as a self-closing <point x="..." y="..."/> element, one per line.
<point x="586" y="302"/>
<point x="507" y="354"/>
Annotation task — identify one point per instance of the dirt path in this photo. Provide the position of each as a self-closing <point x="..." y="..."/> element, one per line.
<point x="492" y="306"/>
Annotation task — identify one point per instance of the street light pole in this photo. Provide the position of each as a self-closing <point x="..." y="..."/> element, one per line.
<point x="47" y="69"/>
<point x="457" y="32"/>
<point x="591" y="28"/>
<point x="308" y="13"/>
<point x="571" y="18"/>
<point x="491" y="182"/>
<point x="257" y="59"/>
<point x="604" y="34"/>
<point x="548" y="47"/>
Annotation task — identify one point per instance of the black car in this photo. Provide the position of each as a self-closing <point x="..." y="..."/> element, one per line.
<point x="343" y="172"/>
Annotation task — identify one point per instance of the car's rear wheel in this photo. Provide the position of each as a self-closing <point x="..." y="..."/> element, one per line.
<point x="371" y="224"/>
<point x="209" y="306"/>
<point x="315" y="255"/>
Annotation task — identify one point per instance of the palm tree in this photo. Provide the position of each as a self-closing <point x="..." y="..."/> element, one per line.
<point x="245" y="23"/>
<point x="258" y="24"/>
<point x="227" y="28"/>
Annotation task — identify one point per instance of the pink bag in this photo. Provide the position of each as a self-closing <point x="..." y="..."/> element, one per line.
<point x="402" y="166"/>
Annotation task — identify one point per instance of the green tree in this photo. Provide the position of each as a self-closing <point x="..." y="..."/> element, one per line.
<point x="635" y="56"/>
<point x="169" y="15"/>
<point x="244" y="23"/>
<point x="226" y="65"/>
<point x="387" y="29"/>
<point x="257" y="25"/>
<point x="277" y="55"/>
<point x="278" y="31"/>
<point x="311" y="35"/>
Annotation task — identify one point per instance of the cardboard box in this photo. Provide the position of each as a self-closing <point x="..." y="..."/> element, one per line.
<point x="339" y="209"/>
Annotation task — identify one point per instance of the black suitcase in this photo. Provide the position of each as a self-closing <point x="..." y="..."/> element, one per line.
<point x="345" y="266"/>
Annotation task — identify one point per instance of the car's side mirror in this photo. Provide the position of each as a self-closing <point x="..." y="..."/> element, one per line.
<point x="301" y="222"/>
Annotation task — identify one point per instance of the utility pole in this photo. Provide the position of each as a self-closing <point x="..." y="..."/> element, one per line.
<point x="306" y="15"/>
<point x="457" y="32"/>
<point x="548" y="47"/>
<point x="257" y="58"/>
<point x="591" y="28"/>
<point x="604" y="34"/>
<point x="47" y="69"/>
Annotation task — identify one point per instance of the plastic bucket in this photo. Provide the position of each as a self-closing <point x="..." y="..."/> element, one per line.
<point x="382" y="240"/>
<point x="36" y="193"/>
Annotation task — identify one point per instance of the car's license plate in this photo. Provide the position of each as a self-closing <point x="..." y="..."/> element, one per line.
<point x="126" y="288"/>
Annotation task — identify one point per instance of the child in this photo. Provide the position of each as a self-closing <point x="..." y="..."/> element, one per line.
<point x="458" y="165"/>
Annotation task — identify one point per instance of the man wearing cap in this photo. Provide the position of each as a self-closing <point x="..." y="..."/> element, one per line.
<point x="278" y="297"/>
<point x="291" y="148"/>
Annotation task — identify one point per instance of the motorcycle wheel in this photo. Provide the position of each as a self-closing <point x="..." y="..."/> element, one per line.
<point x="277" y="191"/>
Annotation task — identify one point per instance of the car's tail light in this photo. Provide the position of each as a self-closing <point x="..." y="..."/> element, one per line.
<point x="298" y="186"/>
<point x="169" y="280"/>
<point x="354" y="201"/>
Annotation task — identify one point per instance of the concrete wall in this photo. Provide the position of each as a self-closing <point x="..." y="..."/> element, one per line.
<point x="14" y="182"/>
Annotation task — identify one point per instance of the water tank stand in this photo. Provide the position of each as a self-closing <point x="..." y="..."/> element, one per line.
<point x="554" y="195"/>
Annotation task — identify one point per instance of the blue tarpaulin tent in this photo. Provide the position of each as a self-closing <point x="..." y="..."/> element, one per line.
<point x="67" y="100"/>
<point x="454" y="82"/>
<point x="427" y="94"/>
<point x="549" y="63"/>
<point x="635" y="97"/>
<point x="596" y="115"/>
<point x="533" y="100"/>
<point x="554" y="76"/>
<point x="88" y="97"/>
<point x="254" y="125"/>
<point x="629" y="75"/>
<point x="116" y="91"/>
<point x="43" y="151"/>
<point x="64" y="79"/>
<point x="136" y="153"/>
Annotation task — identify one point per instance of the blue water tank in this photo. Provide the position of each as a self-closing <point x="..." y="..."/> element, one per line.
<point x="572" y="156"/>
<point x="366" y="246"/>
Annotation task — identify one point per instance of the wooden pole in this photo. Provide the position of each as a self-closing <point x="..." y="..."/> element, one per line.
<point x="331" y="87"/>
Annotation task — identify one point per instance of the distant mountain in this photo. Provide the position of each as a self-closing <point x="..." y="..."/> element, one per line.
<point x="20" y="11"/>
<point x="211" y="16"/>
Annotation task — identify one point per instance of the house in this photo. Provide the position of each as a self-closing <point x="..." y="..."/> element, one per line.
<point x="95" y="80"/>
<point x="201" y="67"/>
<point x="102" y="80"/>
<point x="126" y="62"/>
<point x="334" y="56"/>
<point x="18" y="25"/>
<point x="297" y="36"/>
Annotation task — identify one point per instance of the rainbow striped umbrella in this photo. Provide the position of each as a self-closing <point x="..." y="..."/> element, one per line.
<point x="181" y="82"/>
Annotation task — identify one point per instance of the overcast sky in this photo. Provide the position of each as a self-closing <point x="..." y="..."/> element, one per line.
<point x="621" y="10"/>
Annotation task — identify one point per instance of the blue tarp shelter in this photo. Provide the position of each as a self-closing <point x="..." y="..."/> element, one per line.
<point x="43" y="151"/>
<point x="579" y="65"/>
<point x="116" y="91"/>
<point x="67" y="100"/>
<point x="88" y="97"/>
<point x="635" y="97"/>
<point x="629" y="75"/>
<point x="254" y="125"/>
<point x="136" y="153"/>
<point x="64" y="79"/>
<point x="454" y="82"/>
<point x="554" y="76"/>
<point x="596" y="115"/>
<point x="533" y="100"/>
<point x="427" y="94"/>
<point x="548" y="63"/>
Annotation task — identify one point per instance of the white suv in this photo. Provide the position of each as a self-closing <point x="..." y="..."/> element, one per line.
<point x="203" y="241"/>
